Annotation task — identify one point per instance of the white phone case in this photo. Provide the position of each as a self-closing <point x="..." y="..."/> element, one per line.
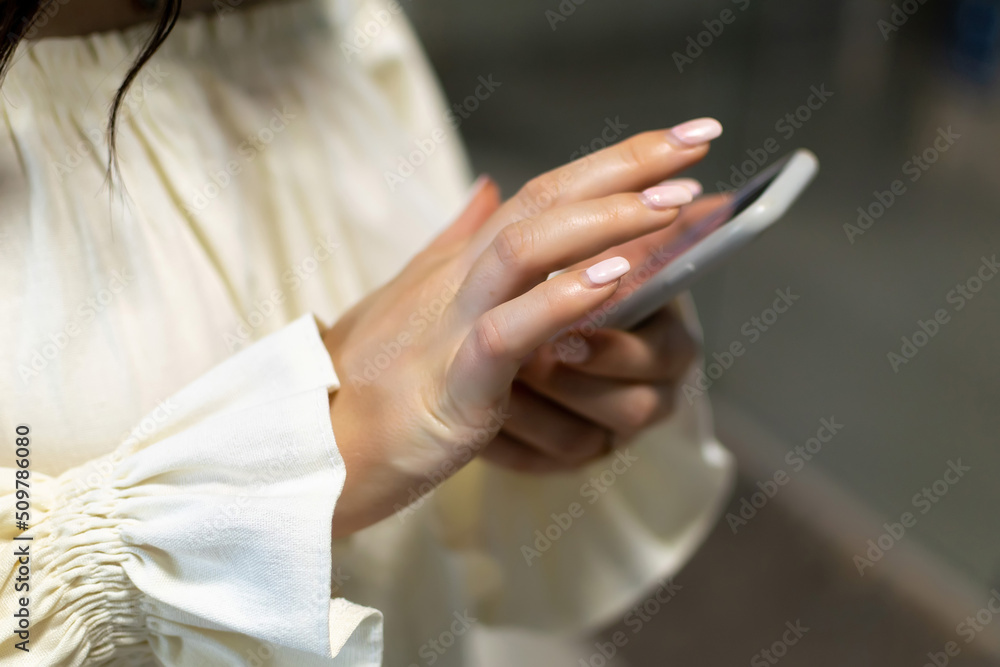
<point x="719" y="245"/>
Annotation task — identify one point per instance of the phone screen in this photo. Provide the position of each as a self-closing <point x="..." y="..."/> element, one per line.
<point x="647" y="290"/>
<point x="735" y="203"/>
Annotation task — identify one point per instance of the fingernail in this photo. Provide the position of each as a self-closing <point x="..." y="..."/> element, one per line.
<point x="689" y="183"/>
<point x="666" y="196"/>
<point x="696" y="132"/>
<point x="608" y="270"/>
<point x="573" y="349"/>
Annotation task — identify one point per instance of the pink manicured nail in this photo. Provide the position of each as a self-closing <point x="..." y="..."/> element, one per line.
<point x="608" y="270"/>
<point x="689" y="183"/>
<point x="696" y="132"/>
<point x="666" y="196"/>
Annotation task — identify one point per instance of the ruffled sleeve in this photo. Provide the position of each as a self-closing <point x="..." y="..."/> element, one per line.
<point x="207" y="541"/>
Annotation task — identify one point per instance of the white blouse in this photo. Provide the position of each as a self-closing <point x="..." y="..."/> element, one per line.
<point x="160" y="342"/>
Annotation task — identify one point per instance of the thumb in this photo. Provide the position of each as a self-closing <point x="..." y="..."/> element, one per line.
<point x="483" y="200"/>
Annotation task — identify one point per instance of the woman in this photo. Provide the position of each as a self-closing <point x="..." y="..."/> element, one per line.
<point x="234" y="385"/>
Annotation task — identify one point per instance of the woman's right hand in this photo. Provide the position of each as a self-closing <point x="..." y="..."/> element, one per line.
<point x="426" y="362"/>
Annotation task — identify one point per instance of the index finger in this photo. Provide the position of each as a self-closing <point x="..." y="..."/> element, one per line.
<point x="628" y="166"/>
<point x="639" y="250"/>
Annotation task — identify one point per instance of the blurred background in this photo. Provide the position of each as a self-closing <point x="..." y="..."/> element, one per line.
<point x="887" y="82"/>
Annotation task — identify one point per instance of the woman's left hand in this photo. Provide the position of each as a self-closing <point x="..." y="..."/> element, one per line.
<point x="568" y="412"/>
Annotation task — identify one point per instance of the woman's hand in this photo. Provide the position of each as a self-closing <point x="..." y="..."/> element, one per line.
<point x="573" y="402"/>
<point x="576" y="399"/>
<point x="426" y="362"/>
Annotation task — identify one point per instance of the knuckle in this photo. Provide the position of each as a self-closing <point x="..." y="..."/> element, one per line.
<point x="489" y="337"/>
<point x="553" y="298"/>
<point x="621" y="209"/>
<point x="538" y="194"/>
<point x="641" y="409"/>
<point x="514" y="244"/>
<point x="634" y="153"/>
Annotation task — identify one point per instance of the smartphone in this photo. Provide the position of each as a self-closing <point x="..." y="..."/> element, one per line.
<point x="710" y="241"/>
